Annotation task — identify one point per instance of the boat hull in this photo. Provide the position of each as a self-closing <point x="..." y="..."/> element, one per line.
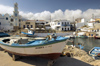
<point x="49" y="51"/>
<point x="97" y="37"/>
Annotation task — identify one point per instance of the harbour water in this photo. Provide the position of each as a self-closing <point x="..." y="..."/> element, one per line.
<point x="88" y="43"/>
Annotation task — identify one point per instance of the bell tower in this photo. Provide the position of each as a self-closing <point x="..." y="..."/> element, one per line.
<point x="16" y="12"/>
<point x="16" y="16"/>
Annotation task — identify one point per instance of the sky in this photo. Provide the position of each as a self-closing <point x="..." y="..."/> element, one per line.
<point x="58" y="9"/>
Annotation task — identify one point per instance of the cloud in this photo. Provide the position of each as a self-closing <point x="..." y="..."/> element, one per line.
<point x="6" y="9"/>
<point x="56" y="15"/>
<point x="72" y="14"/>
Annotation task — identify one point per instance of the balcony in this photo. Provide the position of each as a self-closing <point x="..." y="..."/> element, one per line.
<point x="66" y="25"/>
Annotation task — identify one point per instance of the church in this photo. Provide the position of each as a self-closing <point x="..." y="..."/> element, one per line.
<point x="10" y="22"/>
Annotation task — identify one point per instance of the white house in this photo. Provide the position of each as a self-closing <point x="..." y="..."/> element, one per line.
<point x="90" y="24"/>
<point x="8" y="22"/>
<point x="81" y="23"/>
<point x="5" y="22"/>
<point x="60" y="25"/>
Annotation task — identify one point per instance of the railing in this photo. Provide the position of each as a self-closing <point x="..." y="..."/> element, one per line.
<point x="66" y="25"/>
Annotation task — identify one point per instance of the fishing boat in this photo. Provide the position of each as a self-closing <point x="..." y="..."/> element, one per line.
<point x="50" y="48"/>
<point x="30" y="33"/>
<point x="2" y="34"/>
<point x="83" y="36"/>
<point x="79" y="45"/>
<point x="97" y="35"/>
<point x="95" y="52"/>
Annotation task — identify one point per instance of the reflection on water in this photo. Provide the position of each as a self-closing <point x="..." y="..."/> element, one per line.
<point x="88" y="43"/>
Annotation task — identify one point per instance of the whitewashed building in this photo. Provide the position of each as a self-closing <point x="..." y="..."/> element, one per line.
<point x="81" y="23"/>
<point x="60" y="25"/>
<point x="10" y="22"/>
<point x="5" y="22"/>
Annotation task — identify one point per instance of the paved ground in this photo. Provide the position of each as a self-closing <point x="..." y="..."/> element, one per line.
<point x="6" y="60"/>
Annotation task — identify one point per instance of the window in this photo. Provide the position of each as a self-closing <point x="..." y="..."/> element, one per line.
<point x="0" y="23"/>
<point x="96" y="34"/>
<point x="98" y="30"/>
<point x="6" y="18"/>
<point x="62" y="28"/>
<point x="68" y="28"/>
<point x="58" y="23"/>
<point x="62" y="23"/>
<point x="27" y="26"/>
<point x="65" y="23"/>
<point x="31" y="26"/>
<point x="15" y="5"/>
<point x="23" y="26"/>
<point x="11" y="20"/>
<point x="91" y="34"/>
<point x="65" y="29"/>
<point x="19" y="20"/>
<point x="58" y="28"/>
<point x="46" y="22"/>
<point x="15" y="14"/>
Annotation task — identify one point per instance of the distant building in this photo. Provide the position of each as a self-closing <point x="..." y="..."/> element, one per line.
<point x="80" y="22"/>
<point x="35" y="24"/>
<point x="73" y="27"/>
<point x="90" y="24"/>
<point x="12" y="22"/>
<point x="40" y="25"/>
<point x="6" y="22"/>
<point x="97" y="20"/>
<point x="16" y="17"/>
<point x="28" y="24"/>
<point x="60" y="25"/>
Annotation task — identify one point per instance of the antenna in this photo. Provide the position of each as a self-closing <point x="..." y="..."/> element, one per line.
<point x="73" y="18"/>
<point x="92" y="16"/>
<point x="50" y="17"/>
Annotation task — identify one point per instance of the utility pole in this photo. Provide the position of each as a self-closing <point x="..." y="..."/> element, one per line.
<point x="50" y="17"/>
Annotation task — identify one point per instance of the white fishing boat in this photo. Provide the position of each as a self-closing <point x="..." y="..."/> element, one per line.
<point x="50" y="48"/>
<point x="95" y="52"/>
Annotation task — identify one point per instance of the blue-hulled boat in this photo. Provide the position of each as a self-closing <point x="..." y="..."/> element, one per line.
<point x="95" y="52"/>
<point x="79" y="45"/>
<point x="2" y="34"/>
<point x="50" y="48"/>
<point x="30" y="33"/>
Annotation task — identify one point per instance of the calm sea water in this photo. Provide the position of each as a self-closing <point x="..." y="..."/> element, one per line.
<point x="88" y="43"/>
